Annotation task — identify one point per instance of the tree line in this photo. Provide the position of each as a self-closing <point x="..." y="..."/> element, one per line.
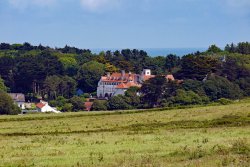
<point x="55" y="74"/>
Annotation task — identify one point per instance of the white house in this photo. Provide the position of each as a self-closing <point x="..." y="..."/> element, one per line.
<point x="44" y="107"/>
<point x="119" y="83"/>
<point x="115" y="84"/>
<point x="19" y="99"/>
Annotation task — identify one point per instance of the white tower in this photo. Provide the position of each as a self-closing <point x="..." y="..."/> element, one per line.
<point x="146" y="72"/>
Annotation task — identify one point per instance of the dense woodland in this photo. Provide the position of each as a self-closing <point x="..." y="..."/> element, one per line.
<point x="55" y="74"/>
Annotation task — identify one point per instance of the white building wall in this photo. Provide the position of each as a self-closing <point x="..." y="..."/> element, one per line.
<point x="120" y="92"/>
<point x="47" y="108"/>
<point x="21" y="105"/>
<point x="108" y="89"/>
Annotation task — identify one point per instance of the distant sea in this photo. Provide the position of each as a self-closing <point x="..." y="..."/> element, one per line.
<point x="160" y="51"/>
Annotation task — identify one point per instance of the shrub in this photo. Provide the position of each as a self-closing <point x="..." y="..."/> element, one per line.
<point x="217" y="87"/>
<point x="67" y="107"/>
<point x="224" y="101"/>
<point x="241" y="146"/>
<point x="77" y="103"/>
<point x="100" y="105"/>
<point x="118" y="103"/>
<point x="186" y="98"/>
<point x="7" y="105"/>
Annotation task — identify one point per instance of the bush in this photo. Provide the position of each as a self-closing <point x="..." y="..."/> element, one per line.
<point x="224" y="101"/>
<point x="67" y="107"/>
<point x="2" y="86"/>
<point x="59" y="102"/>
<point x="86" y="95"/>
<point x="7" y="106"/>
<point x="183" y="97"/>
<point x="77" y="103"/>
<point x="217" y="87"/>
<point x="118" y="103"/>
<point x="100" y="105"/>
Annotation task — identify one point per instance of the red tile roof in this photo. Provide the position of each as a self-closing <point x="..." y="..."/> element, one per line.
<point x="18" y="97"/>
<point x="122" y="86"/>
<point x="170" y="77"/>
<point x="126" y="85"/>
<point x="147" y="77"/>
<point x="88" y="105"/>
<point x="40" y="105"/>
<point x="117" y="77"/>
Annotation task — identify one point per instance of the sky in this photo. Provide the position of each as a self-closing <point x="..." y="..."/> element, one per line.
<point x="125" y="23"/>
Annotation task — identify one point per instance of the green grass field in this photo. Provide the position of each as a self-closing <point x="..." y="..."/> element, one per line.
<point x="202" y="136"/>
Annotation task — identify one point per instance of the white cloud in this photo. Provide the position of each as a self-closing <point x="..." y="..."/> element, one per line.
<point x="26" y="3"/>
<point x="95" y="5"/>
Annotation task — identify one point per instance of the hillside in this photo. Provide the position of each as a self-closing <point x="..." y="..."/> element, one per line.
<point x="202" y="136"/>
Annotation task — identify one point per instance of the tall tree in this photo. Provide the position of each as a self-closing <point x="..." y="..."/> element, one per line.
<point x="32" y="69"/>
<point x="89" y="74"/>
<point x="197" y="67"/>
<point x="2" y="85"/>
<point x="7" y="106"/>
<point x="153" y="91"/>
<point x="172" y="61"/>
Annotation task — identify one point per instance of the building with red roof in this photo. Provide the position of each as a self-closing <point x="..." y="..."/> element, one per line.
<point x="44" y="107"/>
<point x="88" y="106"/>
<point x="118" y="83"/>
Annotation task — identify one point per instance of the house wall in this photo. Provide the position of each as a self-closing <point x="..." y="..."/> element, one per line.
<point x="21" y="105"/>
<point x="47" y="108"/>
<point x="107" y="89"/>
<point x="120" y="92"/>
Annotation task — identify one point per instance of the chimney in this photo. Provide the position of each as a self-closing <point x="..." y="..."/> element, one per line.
<point x="123" y="74"/>
<point x="108" y="74"/>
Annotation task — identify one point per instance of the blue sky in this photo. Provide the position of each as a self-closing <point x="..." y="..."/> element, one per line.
<point x="125" y="23"/>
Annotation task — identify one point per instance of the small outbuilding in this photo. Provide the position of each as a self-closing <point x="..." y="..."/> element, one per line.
<point x="44" y="107"/>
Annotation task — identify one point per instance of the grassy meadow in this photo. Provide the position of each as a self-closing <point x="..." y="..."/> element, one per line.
<point x="201" y="136"/>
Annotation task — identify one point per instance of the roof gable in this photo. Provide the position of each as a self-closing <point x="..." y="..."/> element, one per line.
<point x="18" y="97"/>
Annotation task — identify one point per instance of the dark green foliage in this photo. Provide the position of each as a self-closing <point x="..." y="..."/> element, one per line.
<point x="197" y="67"/>
<point x="35" y="69"/>
<point x="78" y="103"/>
<point x="244" y="84"/>
<point x="4" y="46"/>
<point x="62" y="104"/>
<point x="242" y="47"/>
<point x="153" y="91"/>
<point x="7" y="69"/>
<point x="49" y="73"/>
<point x="60" y="101"/>
<point x="217" y="87"/>
<point x="84" y="58"/>
<point x="224" y="101"/>
<point x="69" y="49"/>
<point x="214" y="49"/>
<point x="183" y="97"/>
<point x="100" y="105"/>
<point x="89" y="74"/>
<point x="132" y="97"/>
<point x="2" y="85"/>
<point x="118" y="103"/>
<point x="68" y="107"/>
<point x="7" y="106"/>
<point x="59" y="86"/>
<point x="194" y="85"/>
<point x="172" y="61"/>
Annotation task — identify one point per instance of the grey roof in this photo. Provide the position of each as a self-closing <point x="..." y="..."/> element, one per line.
<point x="17" y="97"/>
